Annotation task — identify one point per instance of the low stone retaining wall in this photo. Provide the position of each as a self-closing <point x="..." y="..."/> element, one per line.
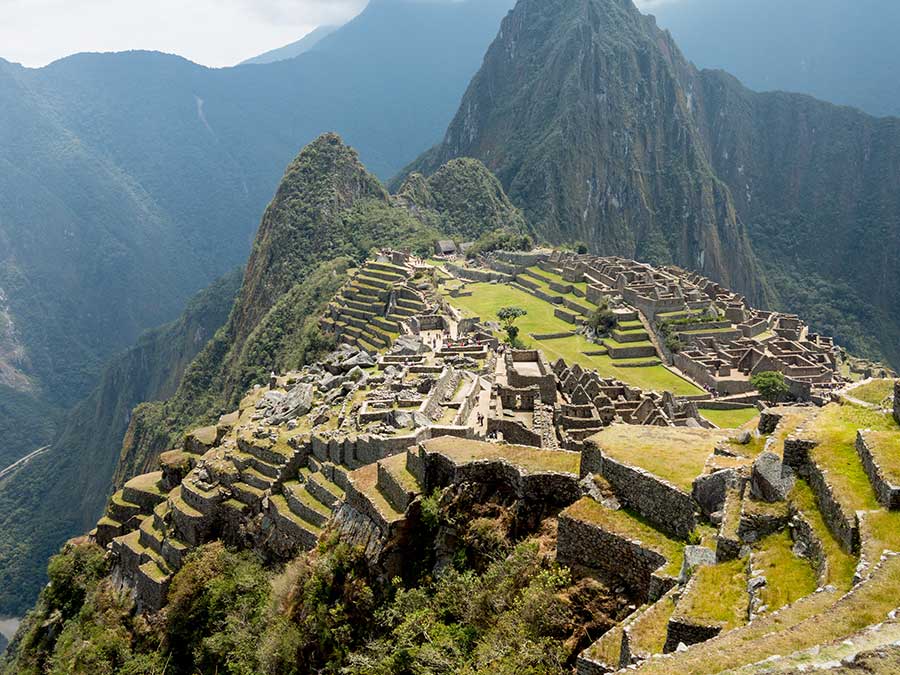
<point x="482" y="276"/>
<point x="842" y="523"/>
<point x="682" y="631"/>
<point x="888" y="493"/>
<point x="628" y="352"/>
<point x="577" y="308"/>
<point x="589" y="545"/>
<point x="565" y="315"/>
<point x="552" y="336"/>
<point x="513" y="431"/>
<point x="808" y="545"/>
<point x="537" y="292"/>
<point x="668" y="508"/>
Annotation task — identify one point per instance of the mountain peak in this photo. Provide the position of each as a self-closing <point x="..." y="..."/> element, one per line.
<point x="584" y="111"/>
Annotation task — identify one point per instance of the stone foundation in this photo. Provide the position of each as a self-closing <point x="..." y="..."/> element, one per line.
<point x="888" y="493"/>
<point x="589" y="545"/>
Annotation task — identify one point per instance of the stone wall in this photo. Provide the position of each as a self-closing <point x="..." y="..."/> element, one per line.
<point x="841" y="521"/>
<point x="657" y="500"/>
<point x="513" y="431"/>
<point x="887" y="492"/>
<point x="565" y="315"/>
<point x="553" y="488"/>
<point x="483" y="276"/>
<point x="897" y="401"/>
<point x="808" y="545"/>
<point x="589" y="545"/>
<point x="682" y="631"/>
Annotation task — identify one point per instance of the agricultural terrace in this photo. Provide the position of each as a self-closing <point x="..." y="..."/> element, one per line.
<point x="730" y="419"/>
<point x="875" y="392"/>
<point x="675" y="454"/>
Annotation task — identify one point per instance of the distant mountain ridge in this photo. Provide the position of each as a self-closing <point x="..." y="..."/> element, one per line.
<point x="842" y="51"/>
<point x="295" y="49"/>
<point x="130" y="181"/>
<point x="603" y="132"/>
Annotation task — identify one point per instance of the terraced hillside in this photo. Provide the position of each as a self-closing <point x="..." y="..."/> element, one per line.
<point x="667" y="537"/>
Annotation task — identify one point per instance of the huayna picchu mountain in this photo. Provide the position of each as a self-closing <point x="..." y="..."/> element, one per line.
<point x="652" y="475"/>
<point x="582" y="112"/>
<point x="601" y="131"/>
<point x="328" y="212"/>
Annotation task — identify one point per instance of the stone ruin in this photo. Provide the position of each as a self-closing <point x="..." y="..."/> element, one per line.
<point x="649" y="495"/>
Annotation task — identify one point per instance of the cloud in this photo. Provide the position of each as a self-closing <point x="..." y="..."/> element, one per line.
<point x="211" y="32"/>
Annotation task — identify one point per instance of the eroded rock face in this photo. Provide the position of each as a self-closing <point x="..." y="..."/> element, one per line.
<point x="771" y="480"/>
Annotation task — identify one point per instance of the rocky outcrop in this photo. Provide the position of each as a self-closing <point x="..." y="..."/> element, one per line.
<point x="770" y="480"/>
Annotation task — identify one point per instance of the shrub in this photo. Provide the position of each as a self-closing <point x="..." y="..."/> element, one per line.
<point x="771" y="386"/>
<point x="508" y="317"/>
<point x="603" y="319"/>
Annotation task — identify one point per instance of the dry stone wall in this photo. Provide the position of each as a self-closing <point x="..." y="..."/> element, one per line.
<point x="888" y="493"/>
<point x="897" y="401"/>
<point x="841" y="521"/>
<point x="589" y="545"/>
<point x="657" y="500"/>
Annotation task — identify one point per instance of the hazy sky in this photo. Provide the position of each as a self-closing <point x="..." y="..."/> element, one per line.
<point x="211" y="32"/>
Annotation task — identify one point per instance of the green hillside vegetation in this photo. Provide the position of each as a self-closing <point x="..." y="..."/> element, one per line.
<point x="65" y="489"/>
<point x="502" y="608"/>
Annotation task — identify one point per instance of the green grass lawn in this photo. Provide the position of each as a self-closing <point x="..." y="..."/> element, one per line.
<point x="648" y="632"/>
<point x="874" y="392"/>
<point x="788" y="576"/>
<point x="675" y="454"/>
<point x="730" y="419"/>
<point x="486" y="299"/>
<point x="718" y="594"/>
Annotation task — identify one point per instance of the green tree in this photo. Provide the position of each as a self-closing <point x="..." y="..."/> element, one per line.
<point x="602" y="319"/>
<point x="508" y="317"/>
<point x="771" y="386"/>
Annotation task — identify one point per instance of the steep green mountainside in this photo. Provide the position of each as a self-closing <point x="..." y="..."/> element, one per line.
<point x="294" y="49"/>
<point x="817" y="186"/>
<point x="843" y="51"/>
<point x="603" y="132"/>
<point x="328" y="213"/>
<point x="130" y="181"/>
<point x="580" y="110"/>
<point x="56" y="494"/>
<point x="448" y="194"/>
